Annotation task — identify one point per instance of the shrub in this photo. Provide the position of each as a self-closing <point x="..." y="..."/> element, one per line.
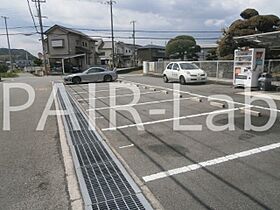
<point x="3" y="68"/>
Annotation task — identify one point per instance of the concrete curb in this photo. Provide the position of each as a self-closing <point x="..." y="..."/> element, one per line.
<point x="76" y="201"/>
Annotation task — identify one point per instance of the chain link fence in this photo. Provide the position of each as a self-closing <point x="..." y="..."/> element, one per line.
<point x="222" y="69"/>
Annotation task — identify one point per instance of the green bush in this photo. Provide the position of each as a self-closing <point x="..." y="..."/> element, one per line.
<point x="8" y="75"/>
<point x="181" y="47"/>
<point x="3" y="68"/>
<point x="248" y="13"/>
<point x="252" y="23"/>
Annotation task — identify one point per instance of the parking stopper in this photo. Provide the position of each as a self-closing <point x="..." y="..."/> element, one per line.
<point x="178" y="94"/>
<point x="196" y="99"/>
<point x="217" y="104"/>
<point x="251" y="112"/>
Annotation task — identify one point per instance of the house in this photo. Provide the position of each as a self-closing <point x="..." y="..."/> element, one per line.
<point x="23" y="63"/>
<point x="150" y="53"/>
<point x="123" y="53"/>
<point x="67" y="48"/>
<point x="205" y="50"/>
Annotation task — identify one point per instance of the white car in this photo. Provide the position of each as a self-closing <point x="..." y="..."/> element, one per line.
<point x="184" y="72"/>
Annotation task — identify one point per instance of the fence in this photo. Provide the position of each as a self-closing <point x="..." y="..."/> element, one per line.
<point x="222" y="69"/>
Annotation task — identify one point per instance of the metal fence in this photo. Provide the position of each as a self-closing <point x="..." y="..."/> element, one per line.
<point x="222" y="69"/>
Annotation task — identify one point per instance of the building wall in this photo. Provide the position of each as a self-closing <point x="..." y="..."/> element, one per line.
<point x="150" y="54"/>
<point x="58" y="34"/>
<point x="70" y="43"/>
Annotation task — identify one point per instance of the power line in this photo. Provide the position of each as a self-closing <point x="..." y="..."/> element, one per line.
<point x="129" y="31"/>
<point x="157" y="38"/>
<point x="151" y="31"/>
<point x="118" y="37"/>
<point x="19" y="27"/>
<point x="32" y="16"/>
<point x="15" y="34"/>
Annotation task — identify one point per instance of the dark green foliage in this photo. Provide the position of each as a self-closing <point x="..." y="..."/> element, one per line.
<point x="248" y="13"/>
<point x="182" y="47"/>
<point x="18" y="54"/>
<point x="265" y="23"/>
<point x="38" y="62"/>
<point x="212" y="55"/>
<point x="3" y="68"/>
<point x="252" y="23"/>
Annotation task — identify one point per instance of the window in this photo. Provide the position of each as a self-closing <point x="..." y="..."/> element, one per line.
<point x="170" y="66"/>
<point x="175" y="67"/>
<point x="56" y="43"/>
<point x="95" y="70"/>
<point x="188" y="66"/>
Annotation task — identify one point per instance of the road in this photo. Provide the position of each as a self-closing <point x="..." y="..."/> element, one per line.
<point x="240" y="168"/>
<point x="31" y="168"/>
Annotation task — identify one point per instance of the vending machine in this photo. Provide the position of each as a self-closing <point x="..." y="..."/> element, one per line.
<point x="248" y="65"/>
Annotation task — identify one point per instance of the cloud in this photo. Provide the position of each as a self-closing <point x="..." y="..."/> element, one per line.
<point x="153" y="15"/>
<point x="215" y="22"/>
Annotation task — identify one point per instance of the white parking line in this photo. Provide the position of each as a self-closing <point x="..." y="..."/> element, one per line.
<point x="97" y="85"/>
<point x="140" y="104"/>
<point x="212" y="162"/>
<point x="171" y="119"/>
<point x="97" y="91"/>
<point x="207" y="97"/>
<point x="127" y="146"/>
<point x="157" y="112"/>
<point x="119" y="96"/>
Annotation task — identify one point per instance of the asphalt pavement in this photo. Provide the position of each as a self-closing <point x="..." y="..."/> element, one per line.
<point x="31" y="167"/>
<point x="192" y="169"/>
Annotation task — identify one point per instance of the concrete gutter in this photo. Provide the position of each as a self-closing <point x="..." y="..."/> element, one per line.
<point x="76" y="200"/>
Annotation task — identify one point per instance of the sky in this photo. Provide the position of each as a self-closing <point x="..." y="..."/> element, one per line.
<point x="206" y="15"/>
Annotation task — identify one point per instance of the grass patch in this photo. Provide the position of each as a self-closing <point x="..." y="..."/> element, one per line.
<point x="8" y="75"/>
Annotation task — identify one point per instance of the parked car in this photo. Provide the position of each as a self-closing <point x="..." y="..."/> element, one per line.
<point x="93" y="74"/>
<point x="184" y="72"/>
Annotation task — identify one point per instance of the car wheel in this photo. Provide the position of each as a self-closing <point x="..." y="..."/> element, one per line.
<point x="76" y="80"/>
<point x="182" y="80"/>
<point x="108" y="78"/>
<point x="165" y="79"/>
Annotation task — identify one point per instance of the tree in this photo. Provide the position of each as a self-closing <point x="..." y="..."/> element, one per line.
<point x="212" y="55"/>
<point x="3" y="68"/>
<point x="183" y="47"/>
<point x="251" y="23"/>
<point x="38" y="62"/>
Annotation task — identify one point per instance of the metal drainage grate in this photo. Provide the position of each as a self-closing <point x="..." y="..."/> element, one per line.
<point x="107" y="184"/>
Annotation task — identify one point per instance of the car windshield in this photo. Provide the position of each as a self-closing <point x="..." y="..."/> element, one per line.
<point x="188" y="66"/>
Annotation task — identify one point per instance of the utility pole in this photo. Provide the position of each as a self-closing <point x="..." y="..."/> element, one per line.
<point x="111" y="2"/>
<point x="42" y="33"/>
<point x="134" y="43"/>
<point x="8" y="40"/>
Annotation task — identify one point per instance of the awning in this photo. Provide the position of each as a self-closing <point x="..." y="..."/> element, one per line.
<point x="67" y="56"/>
<point x="270" y="39"/>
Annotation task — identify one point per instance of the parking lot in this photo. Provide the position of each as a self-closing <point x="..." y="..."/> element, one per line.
<point x="191" y="169"/>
